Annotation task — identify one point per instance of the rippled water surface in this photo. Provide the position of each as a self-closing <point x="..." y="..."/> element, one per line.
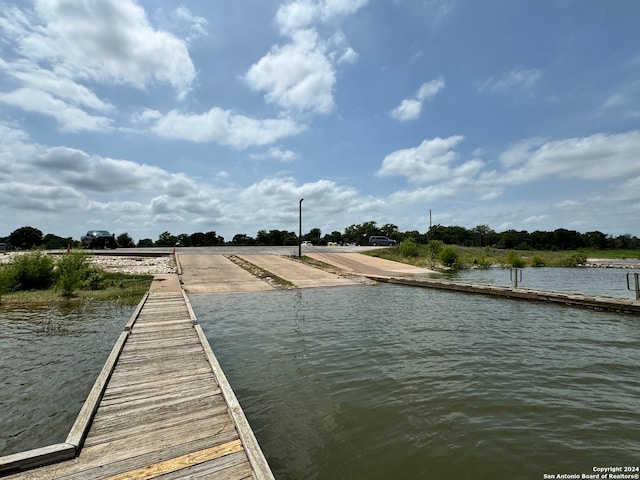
<point x="590" y="281"/>
<point x="397" y="382"/>
<point x="50" y="358"/>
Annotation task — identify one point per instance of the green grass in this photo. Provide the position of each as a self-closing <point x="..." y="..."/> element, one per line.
<point x="120" y="289"/>
<point x="484" y="257"/>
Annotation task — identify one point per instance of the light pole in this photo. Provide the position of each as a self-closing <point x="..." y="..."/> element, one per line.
<point x="300" y="231"/>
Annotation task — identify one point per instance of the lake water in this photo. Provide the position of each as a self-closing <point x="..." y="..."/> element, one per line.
<point x="374" y="382"/>
<point x="379" y="382"/>
<point x="49" y="360"/>
<point x="589" y="281"/>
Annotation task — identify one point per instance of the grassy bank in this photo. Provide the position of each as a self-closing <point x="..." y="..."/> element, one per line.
<point x="428" y="256"/>
<point x="120" y="289"/>
<point x="38" y="279"/>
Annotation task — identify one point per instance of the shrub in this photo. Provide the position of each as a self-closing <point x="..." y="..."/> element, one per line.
<point x="537" y="261"/>
<point x="33" y="271"/>
<point x="94" y="279"/>
<point x="575" y="259"/>
<point x="482" y="262"/>
<point x="7" y="279"/>
<point x="434" y="248"/>
<point x="408" y="248"/>
<point x="70" y="271"/>
<point x="448" y="256"/>
<point x="514" y="260"/>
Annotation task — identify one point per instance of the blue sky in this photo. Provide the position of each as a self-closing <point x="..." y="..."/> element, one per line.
<point x="153" y="116"/>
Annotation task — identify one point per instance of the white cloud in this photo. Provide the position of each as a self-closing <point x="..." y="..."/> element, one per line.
<point x="522" y="78"/>
<point x="118" y="44"/>
<point x="222" y="126"/>
<point x="349" y="56"/>
<point x="54" y="72"/>
<point x="429" y="162"/>
<point x="411" y="108"/>
<point x="301" y="14"/>
<point x="69" y="117"/>
<point x="182" y="22"/>
<point x="277" y="153"/>
<point x="596" y="157"/>
<point x="297" y="77"/>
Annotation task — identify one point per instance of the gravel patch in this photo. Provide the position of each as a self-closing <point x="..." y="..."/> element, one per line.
<point x="136" y="265"/>
<point x="122" y="264"/>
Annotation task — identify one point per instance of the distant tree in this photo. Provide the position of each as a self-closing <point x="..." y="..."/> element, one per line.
<point x="390" y="230"/>
<point x="125" y="241"/>
<point x="185" y="240"/>
<point x="313" y="236"/>
<point x="26" y="238"/>
<point x="198" y="239"/>
<point x="334" y="236"/>
<point x="565" y="239"/>
<point x="360" y="233"/>
<point x="513" y="239"/>
<point x="595" y="240"/>
<point x="242" y="239"/>
<point x="541" y="240"/>
<point x="626" y="241"/>
<point x="53" y="242"/>
<point x="454" y="235"/>
<point x="166" y="239"/>
<point x="484" y="235"/>
<point x="212" y="238"/>
<point x="145" y="242"/>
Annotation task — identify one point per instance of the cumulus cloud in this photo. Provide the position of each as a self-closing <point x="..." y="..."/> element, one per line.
<point x="55" y="74"/>
<point x="70" y="181"/>
<point x="118" y="44"/>
<point x="300" y="76"/>
<point x="595" y="157"/>
<point x="431" y="161"/>
<point x="297" y="77"/>
<point x="301" y="14"/>
<point x="221" y="126"/>
<point x="411" y="108"/>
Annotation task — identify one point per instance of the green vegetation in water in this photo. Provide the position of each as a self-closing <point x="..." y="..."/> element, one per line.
<point x="36" y="278"/>
<point x="438" y="256"/>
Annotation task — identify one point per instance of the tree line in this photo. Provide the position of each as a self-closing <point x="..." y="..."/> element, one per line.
<point x="357" y="234"/>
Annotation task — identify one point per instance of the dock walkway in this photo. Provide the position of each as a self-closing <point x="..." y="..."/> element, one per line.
<point x="161" y="407"/>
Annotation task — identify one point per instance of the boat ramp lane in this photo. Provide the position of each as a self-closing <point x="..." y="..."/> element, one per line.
<point x="622" y="305"/>
<point x="161" y="407"/>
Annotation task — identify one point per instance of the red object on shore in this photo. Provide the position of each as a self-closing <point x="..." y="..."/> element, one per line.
<point x="68" y="247"/>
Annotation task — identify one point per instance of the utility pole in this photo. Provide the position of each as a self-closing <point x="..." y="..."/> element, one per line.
<point x="300" y="230"/>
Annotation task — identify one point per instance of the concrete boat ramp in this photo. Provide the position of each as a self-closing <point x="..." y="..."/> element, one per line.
<point x="162" y="408"/>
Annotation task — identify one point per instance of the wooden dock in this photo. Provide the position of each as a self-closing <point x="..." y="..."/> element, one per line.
<point x="621" y="305"/>
<point x="160" y="407"/>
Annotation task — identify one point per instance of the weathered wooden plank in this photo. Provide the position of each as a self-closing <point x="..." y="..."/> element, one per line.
<point x="154" y="384"/>
<point x="179" y="463"/>
<point x="37" y="457"/>
<point x="233" y="466"/>
<point x="83" y="421"/>
<point x="156" y="426"/>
